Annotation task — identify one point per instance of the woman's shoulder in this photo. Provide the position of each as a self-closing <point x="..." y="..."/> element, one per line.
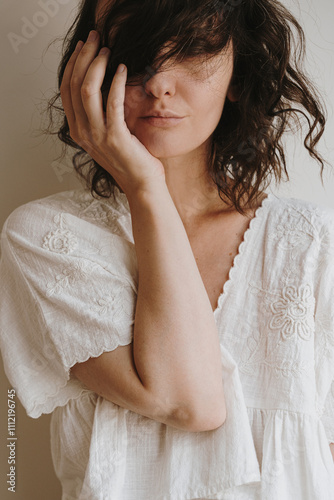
<point x="70" y="233"/>
<point x="301" y="205"/>
<point x="76" y="207"/>
<point x="300" y="214"/>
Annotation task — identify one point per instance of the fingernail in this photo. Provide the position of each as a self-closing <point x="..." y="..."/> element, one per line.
<point x="104" y="50"/>
<point x="79" y="46"/>
<point x="92" y="36"/>
<point x="120" y="68"/>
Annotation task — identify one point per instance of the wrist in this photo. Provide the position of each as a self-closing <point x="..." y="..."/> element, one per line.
<point x="147" y="192"/>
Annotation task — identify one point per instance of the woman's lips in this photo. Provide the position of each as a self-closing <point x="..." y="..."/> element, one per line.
<point x="158" y="121"/>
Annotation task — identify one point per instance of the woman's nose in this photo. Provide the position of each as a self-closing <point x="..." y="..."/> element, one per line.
<point x="160" y="83"/>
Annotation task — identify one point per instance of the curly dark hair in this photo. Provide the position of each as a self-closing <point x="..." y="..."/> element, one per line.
<point x="273" y="90"/>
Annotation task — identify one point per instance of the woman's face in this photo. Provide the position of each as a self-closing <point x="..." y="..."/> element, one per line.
<point x="193" y="90"/>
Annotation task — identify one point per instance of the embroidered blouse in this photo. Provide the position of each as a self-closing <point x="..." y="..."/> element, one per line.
<point x="69" y="281"/>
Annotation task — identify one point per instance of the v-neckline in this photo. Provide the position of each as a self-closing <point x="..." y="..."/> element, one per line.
<point x="241" y="250"/>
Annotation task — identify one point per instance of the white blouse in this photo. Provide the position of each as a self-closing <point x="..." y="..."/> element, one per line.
<point x="69" y="281"/>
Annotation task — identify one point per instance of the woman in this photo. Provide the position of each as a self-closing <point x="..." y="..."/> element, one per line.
<point x="181" y="330"/>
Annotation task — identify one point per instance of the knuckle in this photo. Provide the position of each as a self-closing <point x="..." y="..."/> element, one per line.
<point x="96" y="137"/>
<point x="111" y="141"/>
<point x="86" y="49"/>
<point x="79" y="136"/>
<point x="86" y="138"/>
<point x="115" y="102"/>
<point x="87" y="90"/>
<point x="75" y="82"/>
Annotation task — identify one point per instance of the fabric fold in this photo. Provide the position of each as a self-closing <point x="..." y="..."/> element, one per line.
<point x="292" y="450"/>
<point x="181" y="465"/>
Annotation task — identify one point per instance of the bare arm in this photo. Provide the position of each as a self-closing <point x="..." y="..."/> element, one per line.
<point x="176" y="344"/>
<point x="173" y="373"/>
<point x="332" y="449"/>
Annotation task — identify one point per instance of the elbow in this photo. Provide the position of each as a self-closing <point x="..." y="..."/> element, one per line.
<point x="199" y="420"/>
<point x="207" y="422"/>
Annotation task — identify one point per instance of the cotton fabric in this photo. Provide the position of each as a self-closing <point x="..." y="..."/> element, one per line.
<point x="69" y="283"/>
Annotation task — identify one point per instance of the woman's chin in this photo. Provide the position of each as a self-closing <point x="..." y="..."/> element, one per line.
<point x="164" y="146"/>
<point x="162" y="151"/>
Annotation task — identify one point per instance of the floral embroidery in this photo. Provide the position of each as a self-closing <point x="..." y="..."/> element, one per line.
<point x="101" y="470"/>
<point x="284" y="369"/>
<point x="106" y="304"/>
<point x="98" y="212"/>
<point x="295" y="230"/>
<point x="101" y="214"/>
<point x="290" y="311"/>
<point x="293" y="312"/>
<point x="62" y="240"/>
<point x="113" y="303"/>
<point x="69" y="275"/>
<point x="290" y="272"/>
<point x="287" y="368"/>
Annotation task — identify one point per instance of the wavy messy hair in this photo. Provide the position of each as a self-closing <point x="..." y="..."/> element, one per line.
<point x="273" y="91"/>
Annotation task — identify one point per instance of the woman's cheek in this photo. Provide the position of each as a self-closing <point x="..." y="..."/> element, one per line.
<point x="134" y="97"/>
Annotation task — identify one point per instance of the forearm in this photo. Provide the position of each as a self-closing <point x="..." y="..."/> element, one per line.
<point x="176" y="346"/>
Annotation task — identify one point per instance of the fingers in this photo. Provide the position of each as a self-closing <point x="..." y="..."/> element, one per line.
<point x="91" y="89"/>
<point x="81" y="93"/>
<point x="115" y="103"/>
<point x="83" y="61"/>
<point x="65" y="88"/>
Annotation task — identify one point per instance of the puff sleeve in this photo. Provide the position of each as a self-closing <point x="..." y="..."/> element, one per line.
<point x="68" y="294"/>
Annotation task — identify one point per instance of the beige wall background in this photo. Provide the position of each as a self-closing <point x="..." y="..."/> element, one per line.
<point x="29" y="169"/>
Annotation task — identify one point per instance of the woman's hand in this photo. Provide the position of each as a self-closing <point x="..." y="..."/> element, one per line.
<point x="105" y="136"/>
